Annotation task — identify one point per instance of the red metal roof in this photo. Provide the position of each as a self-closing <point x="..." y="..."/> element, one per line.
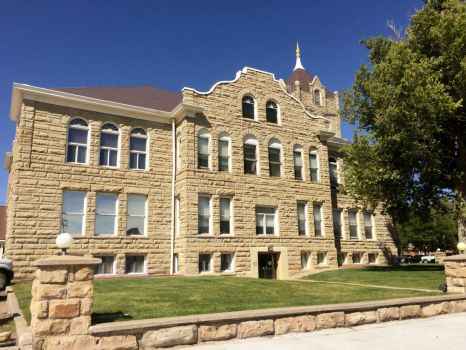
<point x="140" y="96"/>
<point x="304" y="78"/>
<point x="2" y="222"/>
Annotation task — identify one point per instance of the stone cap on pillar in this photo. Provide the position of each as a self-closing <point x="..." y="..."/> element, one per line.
<point x="67" y="260"/>
<point x="461" y="257"/>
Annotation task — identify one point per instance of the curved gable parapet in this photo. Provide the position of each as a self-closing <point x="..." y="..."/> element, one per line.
<point x="280" y="83"/>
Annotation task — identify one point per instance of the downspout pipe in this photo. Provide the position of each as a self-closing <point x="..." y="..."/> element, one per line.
<point x="172" y="226"/>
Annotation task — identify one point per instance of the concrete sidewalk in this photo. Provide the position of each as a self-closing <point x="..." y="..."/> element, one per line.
<point x="436" y="333"/>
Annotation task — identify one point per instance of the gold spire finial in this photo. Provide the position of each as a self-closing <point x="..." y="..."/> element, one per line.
<point x="297" y="50"/>
<point x="298" y="59"/>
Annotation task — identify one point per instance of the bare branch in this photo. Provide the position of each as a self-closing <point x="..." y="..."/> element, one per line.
<point x="398" y="31"/>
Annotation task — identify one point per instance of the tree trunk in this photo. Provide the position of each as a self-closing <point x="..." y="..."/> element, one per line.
<point x="461" y="212"/>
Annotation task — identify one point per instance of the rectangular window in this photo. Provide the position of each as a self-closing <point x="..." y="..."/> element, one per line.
<point x="341" y="258"/>
<point x="321" y="258"/>
<point x="250" y="160"/>
<point x="372" y="257"/>
<point x="73" y="208"/>
<point x="304" y="260"/>
<point x="135" y="264"/>
<point x="178" y="154"/>
<point x="136" y="217"/>
<point x="178" y="216"/>
<point x="203" y="153"/>
<point x="138" y="149"/>
<point x="298" y="165"/>
<point x="337" y="225"/>
<point x="353" y="223"/>
<point x="176" y="263"/>
<point x="318" y="220"/>
<point x="205" y="262"/>
<point x="108" y="147"/>
<point x="302" y="221"/>
<point x="225" y="216"/>
<point x="105" y="214"/>
<point x="77" y="142"/>
<point x="368" y="225"/>
<point x="275" y="164"/>
<point x="314" y="167"/>
<point x="107" y="265"/>
<point x="223" y="155"/>
<point x="204" y="215"/>
<point x="356" y="258"/>
<point x="226" y="262"/>
<point x="265" y="221"/>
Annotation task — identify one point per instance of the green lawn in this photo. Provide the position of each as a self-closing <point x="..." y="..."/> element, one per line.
<point x="425" y="276"/>
<point x="140" y="298"/>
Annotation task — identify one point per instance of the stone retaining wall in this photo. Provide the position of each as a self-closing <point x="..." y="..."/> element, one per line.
<point x="455" y="270"/>
<point x="186" y="330"/>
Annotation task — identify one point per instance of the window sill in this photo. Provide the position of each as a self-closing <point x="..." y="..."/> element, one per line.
<point x="229" y="235"/>
<point x="104" y="236"/>
<point x="136" y="236"/>
<point x="108" y="167"/>
<point x="228" y="273"/>
<point x="77" y="164"/>
<point x="205" y="235"/>
<point x="268" y="236"/>
<point x="142" y="274"/>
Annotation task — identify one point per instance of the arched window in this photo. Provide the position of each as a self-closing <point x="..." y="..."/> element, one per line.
<point x="109" y="138"/>
<point x="203" y="150"/>
<point x="271" y="112"/>
<point x="317" y="97"/>
<point x="333" y="171"/>
<point x="78" y="131"/>
<point x="250" y="150"/>
<point x="298" y="162"/>
<point x="224" y="158"/>
<point x="314" y="165"/>
<point x="275" y="158"/>
<point x="138" y="149"/>
<point x="249" y="107"/>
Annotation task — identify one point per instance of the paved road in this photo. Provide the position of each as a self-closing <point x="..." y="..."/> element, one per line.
<point x="447" y="332"/>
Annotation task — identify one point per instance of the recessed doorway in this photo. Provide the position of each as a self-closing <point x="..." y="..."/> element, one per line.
<point x="267" y="264"/>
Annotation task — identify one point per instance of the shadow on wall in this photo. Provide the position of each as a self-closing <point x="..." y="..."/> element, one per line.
<point x="392" y="259"/>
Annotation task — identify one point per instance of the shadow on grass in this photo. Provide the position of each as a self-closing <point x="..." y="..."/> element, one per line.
<point x="407" y="267"/>
<point x="103" y="317"/>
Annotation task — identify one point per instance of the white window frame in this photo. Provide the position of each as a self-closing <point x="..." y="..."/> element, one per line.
<point x="306" y="229"/>
<point x="255" y="107"/>
<point x="371" y="226"/>
<point x="178" y="153"/>
<point x="340" y="214"/>
<point x="106" y="148"/>
<point x="143" y="234"/>
<point x="319" y="102"/>
<point x="225" y="137"/>
<point x="252" y="140"/>
<point x="113" y="265"/>
<point x="231" y="215"/>
<point x="144" y="267"/>
<point x="321" y="206"/>
<point x="277" y="107"/>
<point x="145" y="152"/>
<point x="83" y="223"/>
<point x="210" y="263"/>
<point x="205" y="134"/>
<point x="358" y="231"/>
<point x="75" y="144"/>
<point x="232" y="262"/>
<point x="313" y="151"/>
<point x="115" y="224"/>
<point x="275" y="144"/>
<point x="307" y="257"/>
<point x="298" y="149"/>
<point x="324" y="258"/>
<point x="275" y="222"/>
<point x="177" y="216"/>
<point x="210" y="214"/>
<point x="337" y="177"/>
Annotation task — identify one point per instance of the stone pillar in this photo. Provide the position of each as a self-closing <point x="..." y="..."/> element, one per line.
<point x="61" y="299"/>
<point x="455" y="270"/>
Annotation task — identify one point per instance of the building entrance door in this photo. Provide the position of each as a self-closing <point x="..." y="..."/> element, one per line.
<point x="268" y="265"/>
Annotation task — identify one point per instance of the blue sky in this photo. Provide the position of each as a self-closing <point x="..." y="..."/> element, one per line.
<point x="172" y="44"/>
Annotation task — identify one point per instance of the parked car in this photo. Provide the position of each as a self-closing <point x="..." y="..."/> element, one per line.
<point x="428" y="259"/>
<point x="6" y="273"/>
<point x="407" y="259"/>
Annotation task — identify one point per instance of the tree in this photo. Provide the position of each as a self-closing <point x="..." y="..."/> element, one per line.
<point x="408" y="106"/>
<point x="430" y="230"/>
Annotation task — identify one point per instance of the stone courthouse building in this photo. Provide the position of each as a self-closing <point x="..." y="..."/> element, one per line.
<point x="242" y="179"/>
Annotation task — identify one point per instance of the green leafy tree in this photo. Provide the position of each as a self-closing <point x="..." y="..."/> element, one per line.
<point x="408" y="106"/>
<point x="430" y="230"/>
